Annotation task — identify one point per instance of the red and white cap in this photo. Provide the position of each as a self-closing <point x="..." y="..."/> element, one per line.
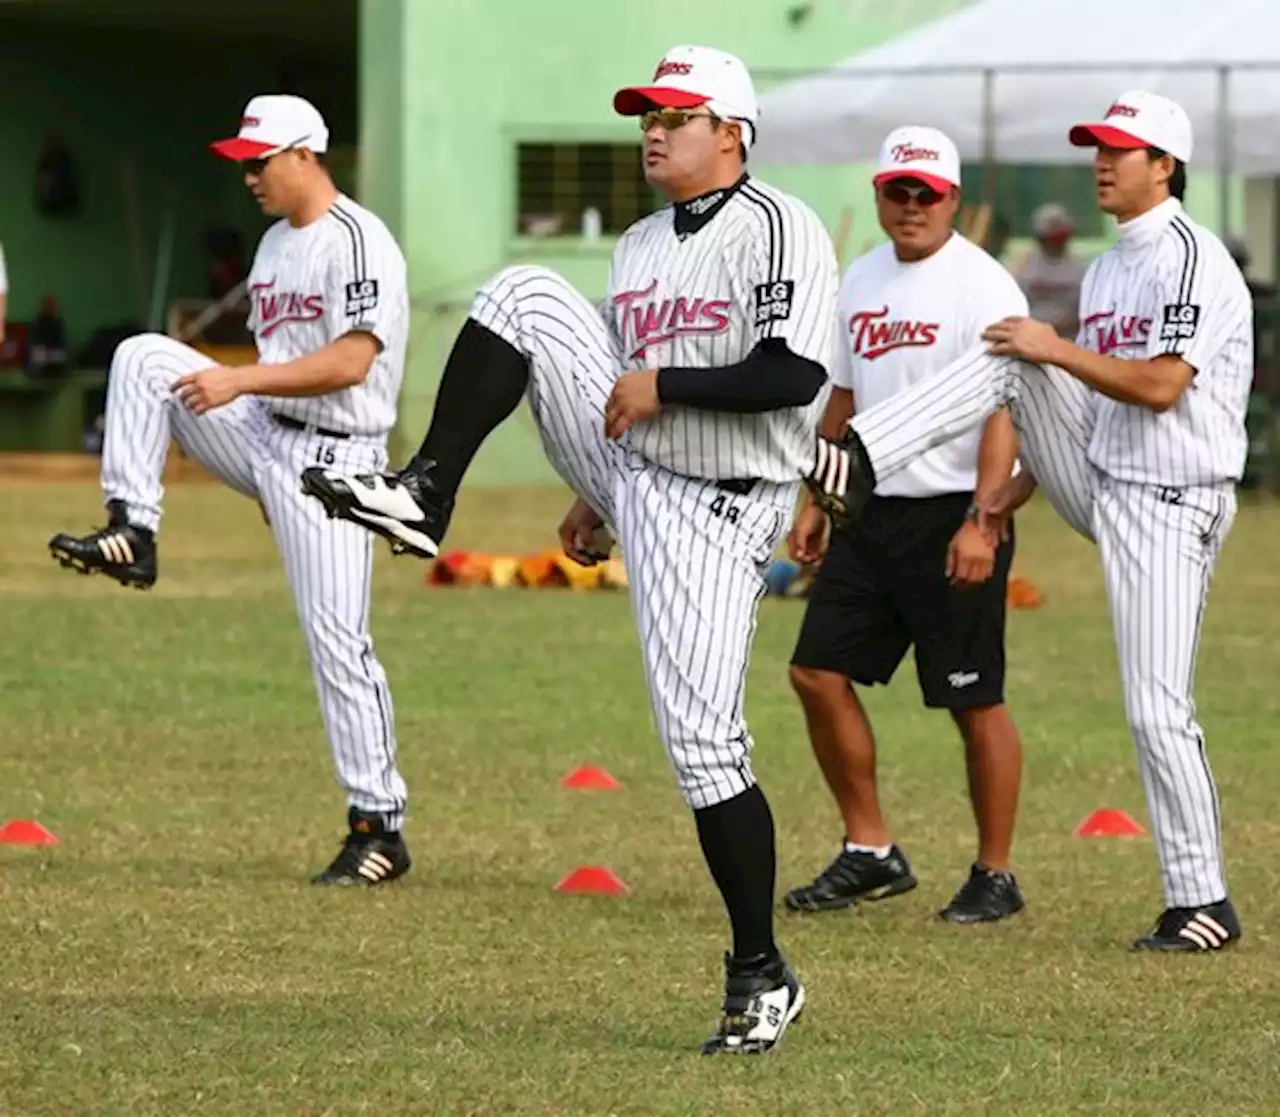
<point x="272" y="123"/>
<point x="917" y="152"/>
<point x="689" y="76"/>
<point x="1140" y="119"/>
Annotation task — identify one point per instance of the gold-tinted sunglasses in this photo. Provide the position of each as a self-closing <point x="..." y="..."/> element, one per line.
<point x="671" y="119"/>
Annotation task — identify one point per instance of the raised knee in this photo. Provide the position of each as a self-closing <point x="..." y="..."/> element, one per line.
<point x="132" y="354"/>
<point x="521" y="278"/>
<point x="812" y="684"/>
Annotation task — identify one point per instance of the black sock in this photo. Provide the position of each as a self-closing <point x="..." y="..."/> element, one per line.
<point x="483" y="382"/>
<point x="737" y="841"/>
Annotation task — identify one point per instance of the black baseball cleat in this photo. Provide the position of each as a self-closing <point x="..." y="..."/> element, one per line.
<point x="852" y="877"/>
<point x="404" y="507"/>
<point x="371" y="854"/>
<point x="120" y="550"/>
<point x="1193" y="930"/>
<point x="843" y="478"/>
<point x="762" y="997"/>
<point x="986" y="897"/>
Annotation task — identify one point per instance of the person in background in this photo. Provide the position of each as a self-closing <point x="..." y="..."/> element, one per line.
<point x="1050" y="276"/>
<point x="4" y="294"/>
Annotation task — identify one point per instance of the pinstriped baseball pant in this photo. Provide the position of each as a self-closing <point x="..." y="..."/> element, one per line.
<point x="329" y="563"/>
<point x="695" y="554"/>
<point x="1159" y="548"/>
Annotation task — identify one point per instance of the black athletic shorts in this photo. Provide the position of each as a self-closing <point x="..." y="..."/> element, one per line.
<point x="883" y="588"/>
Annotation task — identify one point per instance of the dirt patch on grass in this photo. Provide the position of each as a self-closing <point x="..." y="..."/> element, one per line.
<point x="18" y="468"/>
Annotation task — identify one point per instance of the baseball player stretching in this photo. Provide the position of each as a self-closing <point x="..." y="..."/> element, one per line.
<point x="330" y="315"/>
<point x="1136" y="433"/>
<point x="683" y="417"/>
<point x="916" y="568"/>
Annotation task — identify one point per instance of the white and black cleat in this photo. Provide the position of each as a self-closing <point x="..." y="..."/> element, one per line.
<point x="120" y="550"/>
<point x="370" y="855"/>
<point x="401" y="507"/>
<point x="762" y="998"/>
<point x="1193" y="930"/>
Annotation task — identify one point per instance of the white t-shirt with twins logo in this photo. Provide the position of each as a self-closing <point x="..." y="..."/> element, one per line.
<point x="902" y="322"/>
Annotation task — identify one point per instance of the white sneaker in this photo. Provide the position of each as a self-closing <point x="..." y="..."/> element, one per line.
<point x="401" y="507"/>
<point x="761" y="998"/>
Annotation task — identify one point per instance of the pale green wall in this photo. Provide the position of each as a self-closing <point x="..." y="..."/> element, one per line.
<point x="449" y="87"/>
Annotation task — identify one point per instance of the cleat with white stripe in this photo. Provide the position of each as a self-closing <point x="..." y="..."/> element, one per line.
<point x="1193" y="930"/>
<point x="762" y="998"/>
<point x="842" y="478"/>
<point x="405" y="508"/>
<point x="120" y="550"/>
<point x="371" y="854"/>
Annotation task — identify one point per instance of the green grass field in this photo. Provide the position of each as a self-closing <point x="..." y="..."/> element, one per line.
<point x="169" y="958"/>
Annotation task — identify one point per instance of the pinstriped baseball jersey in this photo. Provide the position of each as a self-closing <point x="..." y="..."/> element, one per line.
<point x="1170" y="286"/>
<point x="759" y="264"/>
<point x="311" y="285"/>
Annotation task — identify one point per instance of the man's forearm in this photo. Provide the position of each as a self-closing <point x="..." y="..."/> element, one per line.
<point x="1152" y="384"/>
<point x="997" y="453"/>
<point x="839" y="411"/>
<point x="331" y="368"/>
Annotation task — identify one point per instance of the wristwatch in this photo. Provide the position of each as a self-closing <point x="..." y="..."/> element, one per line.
<point x="972" y="512"/>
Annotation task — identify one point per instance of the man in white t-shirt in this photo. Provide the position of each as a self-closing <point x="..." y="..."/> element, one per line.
<point x="1051" y="275"/>
<point x="916" y="568"/>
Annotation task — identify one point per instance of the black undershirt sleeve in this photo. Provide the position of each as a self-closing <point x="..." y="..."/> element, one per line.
<point x="771" y="378"/>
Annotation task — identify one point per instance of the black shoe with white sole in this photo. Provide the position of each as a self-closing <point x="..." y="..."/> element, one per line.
<point x="404" y="507"/>
<point x="120" y="550"/>
<point x="853" y="877"/>
<point x="986" y="897"/>
<point x="1193" y="930"/>
<point x="371" y="854"/>
<point x="762" y="997"/>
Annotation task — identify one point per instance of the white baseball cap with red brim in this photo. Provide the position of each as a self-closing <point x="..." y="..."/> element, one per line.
<point x="272" y="123"/>
<point x="689" y="76"/>
<point x="915" y="151"/>
<point x="1139" y="119"/>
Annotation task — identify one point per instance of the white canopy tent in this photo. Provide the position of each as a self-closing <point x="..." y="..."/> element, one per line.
<point x="1005" y="79"/>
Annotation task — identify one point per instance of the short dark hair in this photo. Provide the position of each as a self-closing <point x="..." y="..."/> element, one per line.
<point x="1177" y="180"/>
<point x="716" y="121"/>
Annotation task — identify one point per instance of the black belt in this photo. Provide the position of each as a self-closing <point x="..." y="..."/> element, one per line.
<point x="739" y="487"/>
<point x="298" y="425"/>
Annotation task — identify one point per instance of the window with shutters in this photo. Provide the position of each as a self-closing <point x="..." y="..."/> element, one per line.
<point x="558" y="183"/>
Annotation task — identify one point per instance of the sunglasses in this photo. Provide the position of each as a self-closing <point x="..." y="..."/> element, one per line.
<point x="900" y="193"/>
<point x="671" y="119"/>
<point x="255" y="167"/>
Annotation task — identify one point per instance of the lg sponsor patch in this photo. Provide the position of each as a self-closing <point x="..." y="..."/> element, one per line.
<point x="773" y="301"/>
<point x="1180" y="321"/>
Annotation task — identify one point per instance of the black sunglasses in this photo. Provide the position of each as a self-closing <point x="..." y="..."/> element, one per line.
<point x="900" y="193"/>
<point x="255" y="167"/>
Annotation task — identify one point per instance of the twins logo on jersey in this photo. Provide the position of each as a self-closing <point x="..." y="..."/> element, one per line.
<point x="1110" y="332"/>
<point x="644" y="321"/>
<point x="873" y="334"/>
<point x="275" y="308"/>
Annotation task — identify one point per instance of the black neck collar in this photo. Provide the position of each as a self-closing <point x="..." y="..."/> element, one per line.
<point x="695" y="213"/>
